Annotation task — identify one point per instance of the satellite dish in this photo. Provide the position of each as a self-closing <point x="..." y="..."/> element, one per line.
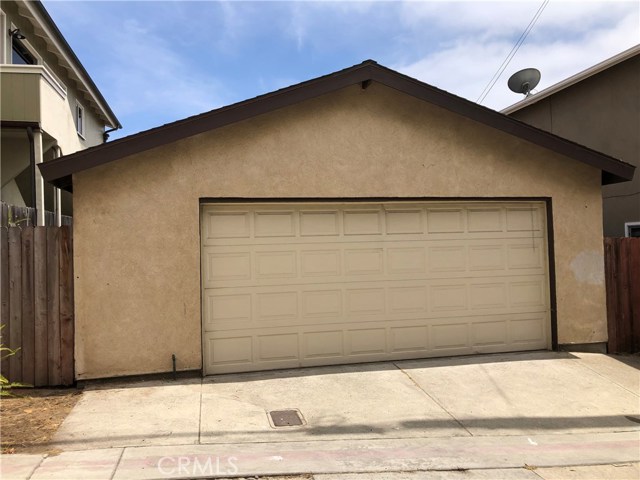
<point x="524" y="81"/>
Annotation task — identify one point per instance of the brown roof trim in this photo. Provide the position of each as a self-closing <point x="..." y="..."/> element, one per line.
<point x="59" y="171"/>
<point x="18" y="124"/>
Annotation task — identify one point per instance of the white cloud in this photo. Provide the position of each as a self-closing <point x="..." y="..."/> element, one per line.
<point x="147" y="75"/>
<point x="495" y="19"/>
<point x="183" y="58"/>
<point x="137" y="62"/>
<point x="569" y="38"/>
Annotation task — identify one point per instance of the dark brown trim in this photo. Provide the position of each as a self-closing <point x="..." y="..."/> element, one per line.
<point x="15" y="124"/>
<point x="596" y="347"/>
<point x="551" y="256"/>
<point x="137" y="380"/>
<point x="553" y="306"/>
<point x="200" y="274"/>
<point x="60" y="171"/>
<point x="210" y="200"/>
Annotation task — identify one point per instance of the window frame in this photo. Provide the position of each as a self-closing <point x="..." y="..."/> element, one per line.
<point x="80" y="119"/>
<point x="628" y="226"/>
<point x="3" y="38"/>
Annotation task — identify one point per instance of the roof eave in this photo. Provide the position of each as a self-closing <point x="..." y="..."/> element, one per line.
<point x="38" y="12"/>
<point x="572" y="80"/>
<point x="59" y="171"/>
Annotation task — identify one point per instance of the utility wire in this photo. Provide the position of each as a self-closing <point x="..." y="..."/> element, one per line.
<point x="511" y="54"/>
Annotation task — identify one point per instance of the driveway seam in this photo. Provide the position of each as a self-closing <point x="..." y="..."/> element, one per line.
<point x="115" y="469"/>
<point x="433" y="399"/>
<point x="42" y="457"/>
<point x="580" y="362"/>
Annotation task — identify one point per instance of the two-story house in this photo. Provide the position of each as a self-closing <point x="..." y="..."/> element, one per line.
<point x="49" y="106"/>
<point x="599" y="108"/>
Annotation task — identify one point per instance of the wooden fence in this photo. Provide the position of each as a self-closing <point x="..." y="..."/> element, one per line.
<point x="622" y="271"/>
<point x="36" y="286"/>
<point x="37" y="304"/>
<point x="14" y="216"/>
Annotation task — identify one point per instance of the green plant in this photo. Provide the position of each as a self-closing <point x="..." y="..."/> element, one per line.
<point x="14" y="221"/>
<point x="5" y="384"/>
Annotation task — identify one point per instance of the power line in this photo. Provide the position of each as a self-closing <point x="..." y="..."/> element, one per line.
<point x="511" y="54"/>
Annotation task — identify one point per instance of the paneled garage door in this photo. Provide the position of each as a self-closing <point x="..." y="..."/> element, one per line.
<point x="288" y="285"/>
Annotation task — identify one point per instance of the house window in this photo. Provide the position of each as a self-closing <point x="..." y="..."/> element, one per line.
<point x="3" y="38"/>
<point x="632" y="229"/>
<point x="20" y="54"/>
<point x="80" y="119"/>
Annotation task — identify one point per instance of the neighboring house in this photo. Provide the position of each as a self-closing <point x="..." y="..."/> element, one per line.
<point x="49" y="106"/>
<point x="356" y="217"/>
<point x="598" y="108"/>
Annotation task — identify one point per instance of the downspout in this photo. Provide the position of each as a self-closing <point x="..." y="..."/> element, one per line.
<point x="58" y="195"/>
<point x="32" y="165"/>
<point x="105" y="134"/>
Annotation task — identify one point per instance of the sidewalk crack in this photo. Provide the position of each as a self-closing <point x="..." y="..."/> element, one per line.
<point x="115" y="469"/>
<point x="433" y="399"/>
<point x="42" y="457"/>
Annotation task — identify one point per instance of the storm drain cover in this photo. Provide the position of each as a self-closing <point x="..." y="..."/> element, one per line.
<point x="285" y="418"/>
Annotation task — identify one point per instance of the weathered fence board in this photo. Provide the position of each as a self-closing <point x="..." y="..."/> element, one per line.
<point x="15" y="216"/>
<point x="40" y="307"/>
<point x="4" y="291"/>
<point x="622" y="269"/>
<point x="53" y="305"/>
<point x="28" y="327"/>
<point x="37" y="304"/>
<point x="15" y="300"/>
<point x="66" y="307"/>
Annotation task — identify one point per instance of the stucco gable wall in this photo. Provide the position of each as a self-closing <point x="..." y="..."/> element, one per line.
<point x="136" y="220"/>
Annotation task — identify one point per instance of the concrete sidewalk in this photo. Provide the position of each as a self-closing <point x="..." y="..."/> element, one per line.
<point x="511" y="457"/>
<point x="485" y="413"/>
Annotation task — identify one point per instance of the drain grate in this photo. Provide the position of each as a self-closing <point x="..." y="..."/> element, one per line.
<point x="285" y="418"/>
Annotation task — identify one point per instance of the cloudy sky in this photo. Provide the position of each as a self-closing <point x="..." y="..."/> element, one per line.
<point x="157" y="62"/>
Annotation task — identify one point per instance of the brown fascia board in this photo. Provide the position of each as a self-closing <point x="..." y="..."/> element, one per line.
<point x="59" y="172"/>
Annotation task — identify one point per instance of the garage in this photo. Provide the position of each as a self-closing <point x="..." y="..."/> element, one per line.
<point x="301" y="284"/>
<point x="356" y="217"/>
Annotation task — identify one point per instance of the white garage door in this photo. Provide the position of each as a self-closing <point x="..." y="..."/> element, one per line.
<point x="289" y="285"/>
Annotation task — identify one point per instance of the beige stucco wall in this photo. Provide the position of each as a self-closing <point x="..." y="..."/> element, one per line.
<point x="136" y="232"/>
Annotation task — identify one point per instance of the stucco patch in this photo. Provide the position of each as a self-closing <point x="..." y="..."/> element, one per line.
<point x="588" y="267"/>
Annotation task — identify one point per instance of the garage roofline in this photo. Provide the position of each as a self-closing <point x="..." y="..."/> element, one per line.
<point x="59" y="171"/>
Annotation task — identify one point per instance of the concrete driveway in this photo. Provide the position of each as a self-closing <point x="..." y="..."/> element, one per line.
<point x="531" y="394"/>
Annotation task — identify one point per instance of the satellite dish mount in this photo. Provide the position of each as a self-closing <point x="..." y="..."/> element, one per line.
<point x="524" y="81"/>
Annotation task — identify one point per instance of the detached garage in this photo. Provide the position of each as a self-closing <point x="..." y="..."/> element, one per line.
<point x="360" y="216"/>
